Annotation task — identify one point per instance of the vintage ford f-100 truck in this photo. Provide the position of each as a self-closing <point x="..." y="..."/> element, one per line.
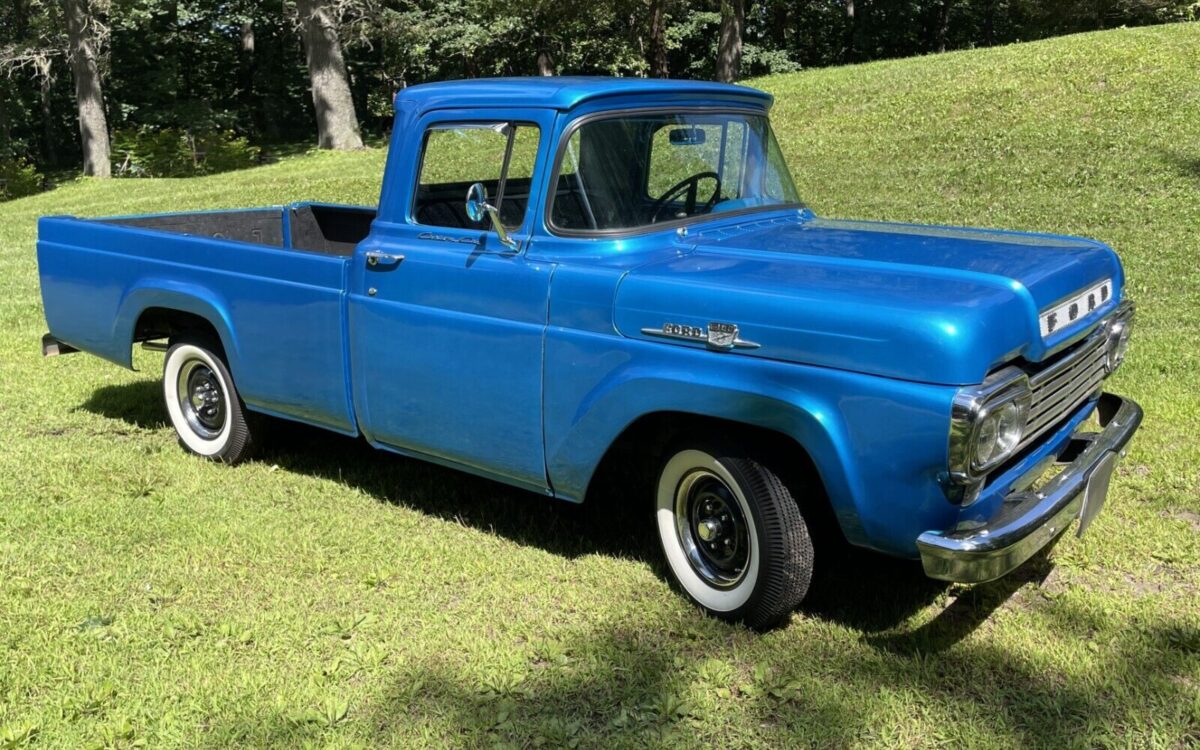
<point x="562" y="271"/>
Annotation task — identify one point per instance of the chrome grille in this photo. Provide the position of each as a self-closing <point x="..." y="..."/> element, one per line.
<point x="1063" y="386"/>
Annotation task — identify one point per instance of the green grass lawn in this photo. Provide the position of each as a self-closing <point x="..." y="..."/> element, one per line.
<point x="329" y="596"/>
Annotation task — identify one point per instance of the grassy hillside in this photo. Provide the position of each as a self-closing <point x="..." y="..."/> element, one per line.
<point x="329" y="596"/>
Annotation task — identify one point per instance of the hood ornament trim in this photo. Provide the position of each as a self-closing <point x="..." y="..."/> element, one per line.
<point x="720" y="336"/>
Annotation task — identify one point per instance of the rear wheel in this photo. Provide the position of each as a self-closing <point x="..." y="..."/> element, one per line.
<point x="733" y="536"/>
<point x="203" y="403"/>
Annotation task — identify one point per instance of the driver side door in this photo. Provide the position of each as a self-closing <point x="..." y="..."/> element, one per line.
<point x="447" y="330"/>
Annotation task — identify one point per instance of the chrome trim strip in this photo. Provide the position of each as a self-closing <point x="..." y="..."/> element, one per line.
<point x="1028" y="521"/>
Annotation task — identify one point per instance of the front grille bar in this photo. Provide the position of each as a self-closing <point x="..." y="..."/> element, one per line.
<point x="1064" y="386"/>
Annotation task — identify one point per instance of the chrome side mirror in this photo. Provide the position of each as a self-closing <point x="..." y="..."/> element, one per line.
<point x="478" y="207"/>
<point x="476" y="200"/>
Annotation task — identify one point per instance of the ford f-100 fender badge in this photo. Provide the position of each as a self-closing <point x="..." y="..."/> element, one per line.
<point x="715" y="335"/>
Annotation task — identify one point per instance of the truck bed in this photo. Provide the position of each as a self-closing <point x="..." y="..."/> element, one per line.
<point x="313" y="227"/>
<point x="272" y="280"/>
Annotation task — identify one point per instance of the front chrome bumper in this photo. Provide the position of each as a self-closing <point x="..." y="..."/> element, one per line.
<point x="1029" y="520"/>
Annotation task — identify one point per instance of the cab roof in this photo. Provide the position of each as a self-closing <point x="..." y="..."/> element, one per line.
<point x="566" y="92"/>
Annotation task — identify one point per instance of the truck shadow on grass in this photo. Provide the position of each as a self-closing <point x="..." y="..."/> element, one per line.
<point x="630" y="691"/>
<point x="618" y="686"/>
<point x="863" y="590"/>
<point x="137" y="404"/>
<point x="615" y="685"/>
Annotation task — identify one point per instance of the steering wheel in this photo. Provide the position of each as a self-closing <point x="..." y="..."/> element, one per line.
<point x="690" y="185"/>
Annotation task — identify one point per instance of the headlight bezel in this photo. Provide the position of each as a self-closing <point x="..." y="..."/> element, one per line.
<point x="973" y="407"/>
<point x="1118" y="330"/>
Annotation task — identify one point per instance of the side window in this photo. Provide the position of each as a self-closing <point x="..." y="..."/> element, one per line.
<point x="678" y="152"/>
<point x="570" y="196"/>
<point x="570" y="160"/>
<point x="501" y="155"/>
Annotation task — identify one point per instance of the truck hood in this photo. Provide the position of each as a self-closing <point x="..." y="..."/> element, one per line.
<point x="931" y="304"/>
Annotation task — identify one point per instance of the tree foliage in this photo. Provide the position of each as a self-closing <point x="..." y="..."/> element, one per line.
<point x="172" y="152"/>
<point x="238" y="68"/>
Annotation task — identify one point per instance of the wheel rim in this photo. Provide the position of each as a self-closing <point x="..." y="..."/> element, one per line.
<point x="201" y="399"/>
<point x="712" y="529"/>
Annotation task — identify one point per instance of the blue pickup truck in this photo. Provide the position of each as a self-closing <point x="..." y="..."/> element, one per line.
<point x="570" y="273"/>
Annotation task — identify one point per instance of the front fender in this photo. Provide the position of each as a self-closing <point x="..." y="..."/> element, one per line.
<point x="873" y="440"/>
<point x="176" y="295"/>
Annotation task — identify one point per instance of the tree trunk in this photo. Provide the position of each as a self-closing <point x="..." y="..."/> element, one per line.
<point x="656" y="52"/>
<point x="729" y="47"/>
<point x="779" y="23"/>
<point x="851" y="32"/>
<point x="246" y="100"/>
<point x="337" y="123"/>
<point x="545" y="63"/>
<point x="943" y="24"/>
<point x="248" y="37"/>
<point x="49" y="150"/>
<point x="93" y="126"/>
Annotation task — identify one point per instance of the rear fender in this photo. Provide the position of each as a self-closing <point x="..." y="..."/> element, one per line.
<point x="175" y="295"/>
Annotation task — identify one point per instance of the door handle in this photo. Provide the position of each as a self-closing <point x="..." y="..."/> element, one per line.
<point x="376" y="259"/>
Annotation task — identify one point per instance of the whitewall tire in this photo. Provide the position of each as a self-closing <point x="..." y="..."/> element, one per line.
<point x="732" y="536"/>
<point x="203" y="403"/>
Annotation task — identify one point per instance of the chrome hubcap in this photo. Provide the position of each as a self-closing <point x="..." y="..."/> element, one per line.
<point x="712" y="529"/>
<point x="709" y="529"/>
<point x="201" y="399"/>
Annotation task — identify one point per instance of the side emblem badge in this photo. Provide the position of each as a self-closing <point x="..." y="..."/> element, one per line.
<point x="722" y="336"/>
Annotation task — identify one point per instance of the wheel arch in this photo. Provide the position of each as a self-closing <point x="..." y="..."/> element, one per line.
<point x="165" y="322"/>
<point x="641" y="445"/>
<point x="157" y="310"/>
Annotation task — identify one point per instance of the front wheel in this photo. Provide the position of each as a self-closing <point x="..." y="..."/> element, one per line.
<point x="733" y="536"/>
<point x="203" y="403"/>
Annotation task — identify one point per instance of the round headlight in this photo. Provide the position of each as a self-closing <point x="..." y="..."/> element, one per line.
<point x="1118" y="343"/>
<point x="999" y="434"/>
<point x="987" y="424"/>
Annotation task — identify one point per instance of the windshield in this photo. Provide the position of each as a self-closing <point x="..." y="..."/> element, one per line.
<point x="638" y="170"/>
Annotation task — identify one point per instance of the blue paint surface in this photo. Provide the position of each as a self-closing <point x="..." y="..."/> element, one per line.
<point x="527" y="365"/>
